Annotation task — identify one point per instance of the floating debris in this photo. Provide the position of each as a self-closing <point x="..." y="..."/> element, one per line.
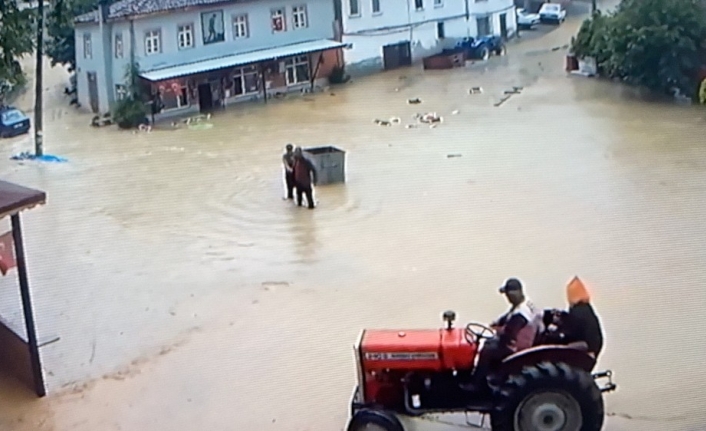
<point x="414" y="101"/>
<point x="514" y="90"/>
<point x="410" y="126"/>
<point x="26" y="155"/>
<point x="382" y="122"/>
<point x="395" y="120"/>
<point x="454" y="112"/>
<point x="451" y="156"/>
<point x="429" y="117"/>
<point x="475" y="90"/>
<point x="503" y="100"/>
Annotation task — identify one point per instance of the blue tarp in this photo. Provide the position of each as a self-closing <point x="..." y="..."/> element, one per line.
<point x="26" y="155"/>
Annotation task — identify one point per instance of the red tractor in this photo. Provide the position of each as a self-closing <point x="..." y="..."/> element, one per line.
<point x="548" y="387"/>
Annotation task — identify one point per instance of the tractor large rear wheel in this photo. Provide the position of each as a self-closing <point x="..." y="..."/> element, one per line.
<point x="549" y="397"/>
<point x="374" y="420"/>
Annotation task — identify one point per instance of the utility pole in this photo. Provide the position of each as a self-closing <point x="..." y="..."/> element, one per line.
<point x="38" y="89"/>
<point x="594" y="6"/>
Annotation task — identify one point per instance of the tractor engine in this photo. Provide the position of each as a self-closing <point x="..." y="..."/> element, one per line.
<point x="413" y="371"/>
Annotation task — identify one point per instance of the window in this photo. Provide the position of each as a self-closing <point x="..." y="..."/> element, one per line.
<point x="175" y="96"/>
<point x="153" y="42"/>
<point x="440" y="31"/>
<point x="240" y="27"/>
<point x="120" y="91"/>
<point x="246" y="81"/>
<point x="118" y="48"/>
<point x="419" y="4"/>
<point x="299" y="16"/>
<point x="87" y="46"/>
<point x="438" y="3"/>
<point x="185" y="36"/>
<point x="376" y="6"/>
<point x="297" y="70"/>
<point x="354" y="7"/>
<point x="483" y="26"/>
<point x="278" y="23"/>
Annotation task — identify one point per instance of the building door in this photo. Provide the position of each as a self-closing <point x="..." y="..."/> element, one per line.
<point x="483" y="26"/>
<point x="93" y="91"/>
<point x="503" y="25"/>
<point x="205" y="97"/>
<point x="397" y="55"/>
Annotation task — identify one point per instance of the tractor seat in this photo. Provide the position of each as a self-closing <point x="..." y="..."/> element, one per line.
<point x="579" y="345"/>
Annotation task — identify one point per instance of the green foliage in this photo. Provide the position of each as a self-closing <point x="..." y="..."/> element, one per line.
<point x="17" y="39"/>
<point x="131" y="111"/>
<point x="338" y="75"/>
<point x="61" y="43"/>
<point x="657" y="44"/>
<point x="702" y="92"/>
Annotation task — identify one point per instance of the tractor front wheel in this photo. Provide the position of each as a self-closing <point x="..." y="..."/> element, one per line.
<point x="374" y="420"/>
<point x="549" y="397"/>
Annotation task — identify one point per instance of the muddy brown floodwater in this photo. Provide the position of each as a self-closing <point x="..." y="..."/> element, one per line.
<point x="188" y="295"/>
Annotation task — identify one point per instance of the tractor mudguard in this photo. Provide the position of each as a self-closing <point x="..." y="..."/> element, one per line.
<point x="576" y="358"/>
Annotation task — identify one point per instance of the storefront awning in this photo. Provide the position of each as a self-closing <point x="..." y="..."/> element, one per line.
<point x="241" y="59"/>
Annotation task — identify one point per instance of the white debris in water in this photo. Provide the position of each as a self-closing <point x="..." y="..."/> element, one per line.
<point x="454" y="112"/>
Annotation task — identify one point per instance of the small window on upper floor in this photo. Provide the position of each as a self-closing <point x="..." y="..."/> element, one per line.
<point x="299" y="18"/>
<point x="87" y="46"/>
<point x="438" y="3"/>
<point x="419" y="4"/>
<point x="278" y="20"/>
<point x="240" y="26"/>
<point x="354" y="7"/>
<point x="376" y="6"/>
<point x="118" y="48"/>
<point x="185" y="36"/>
<point x="153" y="42"/>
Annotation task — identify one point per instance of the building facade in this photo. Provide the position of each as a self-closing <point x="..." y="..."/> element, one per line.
<point x="388" y="33"/>
<point x="203" y="54"/>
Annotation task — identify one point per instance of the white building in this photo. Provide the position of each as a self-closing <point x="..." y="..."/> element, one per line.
<point x="389" y="33"/>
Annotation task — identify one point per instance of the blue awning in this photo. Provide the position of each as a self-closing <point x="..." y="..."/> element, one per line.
<point x="241" y="59"/>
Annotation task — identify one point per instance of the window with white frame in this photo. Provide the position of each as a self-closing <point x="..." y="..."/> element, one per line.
<point x="419" y="4"/>
<point x="87" y="46"/>
<point x="245" y="81"/>
<point x="299" y="18"/>
<point x="153" y="42"/>
<point x="297" y="70"/>
<point x="278" y="20"/>
<point x="354" y="7"/>
<point x="175" y="96"/>
<point x="438" y="3"/>
<point x="376" y="6"/>
<point x="120" y="91"/>
<point x="118" y="48"/>
<point x="185" y="36"/>
<point x="240" y="26"/>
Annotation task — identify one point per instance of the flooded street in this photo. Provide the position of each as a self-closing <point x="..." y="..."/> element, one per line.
<point x="189" y="295"/>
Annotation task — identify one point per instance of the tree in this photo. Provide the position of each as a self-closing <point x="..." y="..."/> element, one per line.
<point x="657" y="44"/>
<point x="131" y="111"/>
<point x="61" y="46"/>
<point x="16" y="41"/>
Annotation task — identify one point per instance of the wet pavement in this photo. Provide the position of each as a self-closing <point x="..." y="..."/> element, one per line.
<point x="189" y="295"/>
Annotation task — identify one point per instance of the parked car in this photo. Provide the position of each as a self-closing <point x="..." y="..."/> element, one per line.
<point x="483" y="46"/>
<point x="552" y="12"/>
<point x="526" y="20"/>
<point x="13" y="122"/>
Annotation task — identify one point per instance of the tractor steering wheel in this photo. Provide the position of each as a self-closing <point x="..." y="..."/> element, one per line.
<point x="475" y="332"/>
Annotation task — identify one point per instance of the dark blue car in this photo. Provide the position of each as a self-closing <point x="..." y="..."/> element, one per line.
<point x="13" y="122"/>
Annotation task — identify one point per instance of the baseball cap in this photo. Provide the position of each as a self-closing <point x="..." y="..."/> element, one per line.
<point x="511" y="284"/>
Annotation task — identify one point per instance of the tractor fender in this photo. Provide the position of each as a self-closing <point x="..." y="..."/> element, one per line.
<point x="572" y="356"/>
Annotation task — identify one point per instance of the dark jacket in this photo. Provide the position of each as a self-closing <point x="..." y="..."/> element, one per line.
<point x="583" y="325"/>
<point x="304" y="170"/>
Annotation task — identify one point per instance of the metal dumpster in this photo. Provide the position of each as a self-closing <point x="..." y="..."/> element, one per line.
<point x="330" y="164"/>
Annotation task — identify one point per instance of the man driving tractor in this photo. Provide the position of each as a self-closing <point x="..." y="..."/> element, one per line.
<point x="515" y="330"/>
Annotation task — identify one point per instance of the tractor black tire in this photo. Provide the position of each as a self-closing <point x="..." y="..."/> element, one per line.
<point x="568" y="394"/>
<point x="484" y="53"/>
<point x="383" y="419"/>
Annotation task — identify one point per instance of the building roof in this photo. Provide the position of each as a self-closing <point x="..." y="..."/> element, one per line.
<point x="131" y="8"/>
<point x="241" y="59"/>
<point x="15" y="198"/>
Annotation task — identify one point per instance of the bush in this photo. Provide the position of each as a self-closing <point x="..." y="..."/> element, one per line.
<point x="702" y="92"/>
<point x="338" y="75"/>
<point x="129" y="113"/>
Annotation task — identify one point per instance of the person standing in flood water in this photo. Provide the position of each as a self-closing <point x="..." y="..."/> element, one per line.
<point x="305" y="178"/>
<point x="288" y="162"/>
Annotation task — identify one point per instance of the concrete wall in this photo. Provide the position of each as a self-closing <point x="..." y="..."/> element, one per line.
<point x="399" y="21"/>
<point x="320" y="15"/>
